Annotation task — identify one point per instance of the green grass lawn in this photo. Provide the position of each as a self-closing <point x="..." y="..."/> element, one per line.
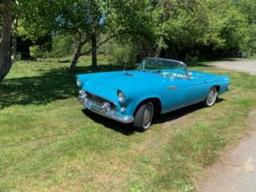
<point x="48" y="143"/>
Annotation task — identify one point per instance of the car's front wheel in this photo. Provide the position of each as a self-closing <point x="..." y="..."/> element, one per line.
<point x="212" y="97"/>
<point x="144" y="116"/>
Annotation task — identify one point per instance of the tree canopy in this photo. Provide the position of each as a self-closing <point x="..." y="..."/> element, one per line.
<point x="168" y="28"/>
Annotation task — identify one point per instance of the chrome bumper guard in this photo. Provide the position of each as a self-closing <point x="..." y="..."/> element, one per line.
<point x="100" y="110"/>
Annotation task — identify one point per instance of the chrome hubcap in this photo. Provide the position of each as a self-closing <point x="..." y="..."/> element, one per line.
<point x="147" y="117"/>
<point x="212" y="97"/>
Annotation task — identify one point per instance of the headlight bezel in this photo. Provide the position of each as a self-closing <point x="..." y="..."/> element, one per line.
<point x="121" y="97"/>
<point x="79" y="83"/>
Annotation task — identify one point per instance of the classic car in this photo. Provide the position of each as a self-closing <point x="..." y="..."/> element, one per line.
<point x="155" y="87"/>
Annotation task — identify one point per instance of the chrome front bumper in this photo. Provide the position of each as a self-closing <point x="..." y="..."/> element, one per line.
<point x="99" y="109"/>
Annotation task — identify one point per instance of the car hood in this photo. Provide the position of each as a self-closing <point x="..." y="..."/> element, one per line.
<point x="106" y="84"/>
<point x="122" y="80"/>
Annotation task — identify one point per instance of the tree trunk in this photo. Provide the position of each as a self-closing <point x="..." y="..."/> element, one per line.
<point x="77" y="53"/>
<point x="159" y="47"/>
<point x="94" y="51"/>
<point x="25" y="52"/>
<point x="23" y="47"/>
<point x="5" y="47"/>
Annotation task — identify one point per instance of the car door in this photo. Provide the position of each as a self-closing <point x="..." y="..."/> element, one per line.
<point x="194" y="90"/>
<point x="182" y="92"/>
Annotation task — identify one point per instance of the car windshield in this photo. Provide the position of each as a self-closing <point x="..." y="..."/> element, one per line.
<point x="165" y="67"/>
<point x="159" y="63"/>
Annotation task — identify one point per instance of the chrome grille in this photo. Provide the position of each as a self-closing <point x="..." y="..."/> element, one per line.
<point x="99" y="100"/>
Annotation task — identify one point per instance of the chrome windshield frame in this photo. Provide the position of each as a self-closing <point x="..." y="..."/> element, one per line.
<point x="182" y="64"/>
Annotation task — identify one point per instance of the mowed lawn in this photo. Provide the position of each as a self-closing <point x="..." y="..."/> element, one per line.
<point x="49" y="143"/>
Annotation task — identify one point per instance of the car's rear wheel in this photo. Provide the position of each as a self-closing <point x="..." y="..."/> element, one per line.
<point x="144" y="116"/>
<point x="212" y="97"/>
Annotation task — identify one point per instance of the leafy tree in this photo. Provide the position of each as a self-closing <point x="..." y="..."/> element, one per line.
<point x="170" y="28"/>
<point x="87" y="20"/>
<point x="185" y="28"/>
<point x="248" y="7"/>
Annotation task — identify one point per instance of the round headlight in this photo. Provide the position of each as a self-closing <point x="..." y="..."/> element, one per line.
<point x="121" y="97"/>
<point x="78" y="83"/>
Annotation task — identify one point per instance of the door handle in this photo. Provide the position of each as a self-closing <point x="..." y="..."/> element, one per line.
<point x="173" y="87"/>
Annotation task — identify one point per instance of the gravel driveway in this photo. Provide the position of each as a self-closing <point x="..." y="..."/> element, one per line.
<point x="236" y="172"/>
<point x="248" y="66"/>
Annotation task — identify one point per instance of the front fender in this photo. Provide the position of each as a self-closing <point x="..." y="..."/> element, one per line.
<point x="133" y="104"/>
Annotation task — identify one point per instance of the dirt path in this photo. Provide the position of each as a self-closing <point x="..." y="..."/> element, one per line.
<point x="248" y="66"/>
<point x="236" y="172"/>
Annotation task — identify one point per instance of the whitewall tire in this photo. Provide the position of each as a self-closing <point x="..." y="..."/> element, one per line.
<point x="212" y="97"/>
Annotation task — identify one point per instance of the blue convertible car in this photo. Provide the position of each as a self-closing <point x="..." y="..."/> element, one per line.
<point x="157" y="86"/>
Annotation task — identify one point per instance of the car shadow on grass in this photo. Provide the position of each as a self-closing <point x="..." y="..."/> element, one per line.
<point x="128" y="129"/>
<point x="125" y="129"/>
<point x="171" y="116"/>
